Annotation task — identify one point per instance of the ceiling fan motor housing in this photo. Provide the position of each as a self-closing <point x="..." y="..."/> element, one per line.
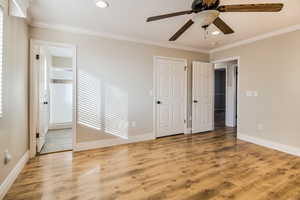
<point x="199" y="5"/>
<point x="205" y="18"/>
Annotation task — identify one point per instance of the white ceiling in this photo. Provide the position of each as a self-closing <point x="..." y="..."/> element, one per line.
<point x="127" y="18"/>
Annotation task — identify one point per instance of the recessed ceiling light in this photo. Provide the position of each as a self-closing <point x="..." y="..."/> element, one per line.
<point x="101" y="4"/>
<point x="215" y="33"/>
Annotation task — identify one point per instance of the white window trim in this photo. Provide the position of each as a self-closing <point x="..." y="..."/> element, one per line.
<point x="4" y="7"/>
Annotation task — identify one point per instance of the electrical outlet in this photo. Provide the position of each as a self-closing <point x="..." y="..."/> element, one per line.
<point x="7" y="157"/>
<point x="260" y="127"/>
<point x="151" y="93"/>
<point x="133" y="124"/>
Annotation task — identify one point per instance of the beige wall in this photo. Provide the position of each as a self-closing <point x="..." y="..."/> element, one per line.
<point x="14" y="124"/>
<point x="126" y="66"/>
<point x="271" y="67"/>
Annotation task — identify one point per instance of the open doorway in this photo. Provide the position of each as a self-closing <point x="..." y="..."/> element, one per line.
<point x="220" y="97"/>
<point x="226" y="90"/>
<point x="52" y="97"/>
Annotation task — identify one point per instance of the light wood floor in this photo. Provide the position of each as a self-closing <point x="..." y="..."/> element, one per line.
<point x="197" y="167"/>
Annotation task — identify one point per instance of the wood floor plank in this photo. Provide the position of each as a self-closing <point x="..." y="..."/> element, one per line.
<point x="213" y="165"/>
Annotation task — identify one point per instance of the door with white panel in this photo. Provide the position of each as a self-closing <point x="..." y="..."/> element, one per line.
<point x="43" y="88"/>
<point x="170" y="98"/>
<point x="203" y="91"/>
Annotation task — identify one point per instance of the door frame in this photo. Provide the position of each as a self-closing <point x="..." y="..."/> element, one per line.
<point x="235" y="94"/>
<point x="33" y="94"/>
<point x="154" y="92"/>
<point x="238" y="84"/>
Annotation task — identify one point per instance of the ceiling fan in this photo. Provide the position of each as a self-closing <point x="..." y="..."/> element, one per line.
<point x="207" y="12"/>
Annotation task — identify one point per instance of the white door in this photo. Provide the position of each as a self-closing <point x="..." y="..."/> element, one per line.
<point x="203" y="91"/>
<point x="43" y="88"/>
<point x="231" y="95"/>
<point x="170" y="100"/>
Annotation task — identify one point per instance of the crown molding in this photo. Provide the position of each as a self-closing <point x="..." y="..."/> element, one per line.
<point x="71" y="29"/>
<point x="257" y="38"/>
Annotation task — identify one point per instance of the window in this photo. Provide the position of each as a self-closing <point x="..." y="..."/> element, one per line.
<point x="1" y="61"/>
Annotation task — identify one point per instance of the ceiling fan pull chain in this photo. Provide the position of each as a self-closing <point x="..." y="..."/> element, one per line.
<point x="206" y="34"/>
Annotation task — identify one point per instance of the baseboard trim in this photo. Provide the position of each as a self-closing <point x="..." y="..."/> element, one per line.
<point x="12" y="176"/>
<point x="273" y="145"/>
<point x="112" y="142"/>
<point x="203" y="130"/>
<point x="188" y="131"/>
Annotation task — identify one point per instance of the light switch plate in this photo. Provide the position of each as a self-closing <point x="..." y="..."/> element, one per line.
<point x="249" y="93"/>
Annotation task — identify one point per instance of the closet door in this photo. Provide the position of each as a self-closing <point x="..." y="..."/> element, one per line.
<point x="43" y="87"/>
<point x="170" y="96"/>
<point x="203" y="91"/>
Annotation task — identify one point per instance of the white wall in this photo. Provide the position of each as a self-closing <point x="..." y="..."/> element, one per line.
<point x="61" y="61"/>
<point x="61" y="103"/>
<point x="60" y="92"/>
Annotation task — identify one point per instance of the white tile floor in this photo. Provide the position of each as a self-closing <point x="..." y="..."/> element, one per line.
<point x="58" y="140"/>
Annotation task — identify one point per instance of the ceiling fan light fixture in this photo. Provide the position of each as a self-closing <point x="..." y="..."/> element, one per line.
<point x="101" y="4"/>
<point x="206" y="17"/>
<point x="215" y="33"/>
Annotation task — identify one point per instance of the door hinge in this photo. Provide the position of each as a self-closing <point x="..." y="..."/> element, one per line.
<point x="37" y="56"/>
<point x="37" y="135"/>
<point x="185" y="68"/>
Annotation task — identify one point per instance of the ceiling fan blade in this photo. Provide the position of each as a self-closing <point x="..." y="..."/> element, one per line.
<point x="223" y="26"/>
<point x="182" y="30"/>
<point x="159" y="17"/>
<point x="267" y="7"/>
